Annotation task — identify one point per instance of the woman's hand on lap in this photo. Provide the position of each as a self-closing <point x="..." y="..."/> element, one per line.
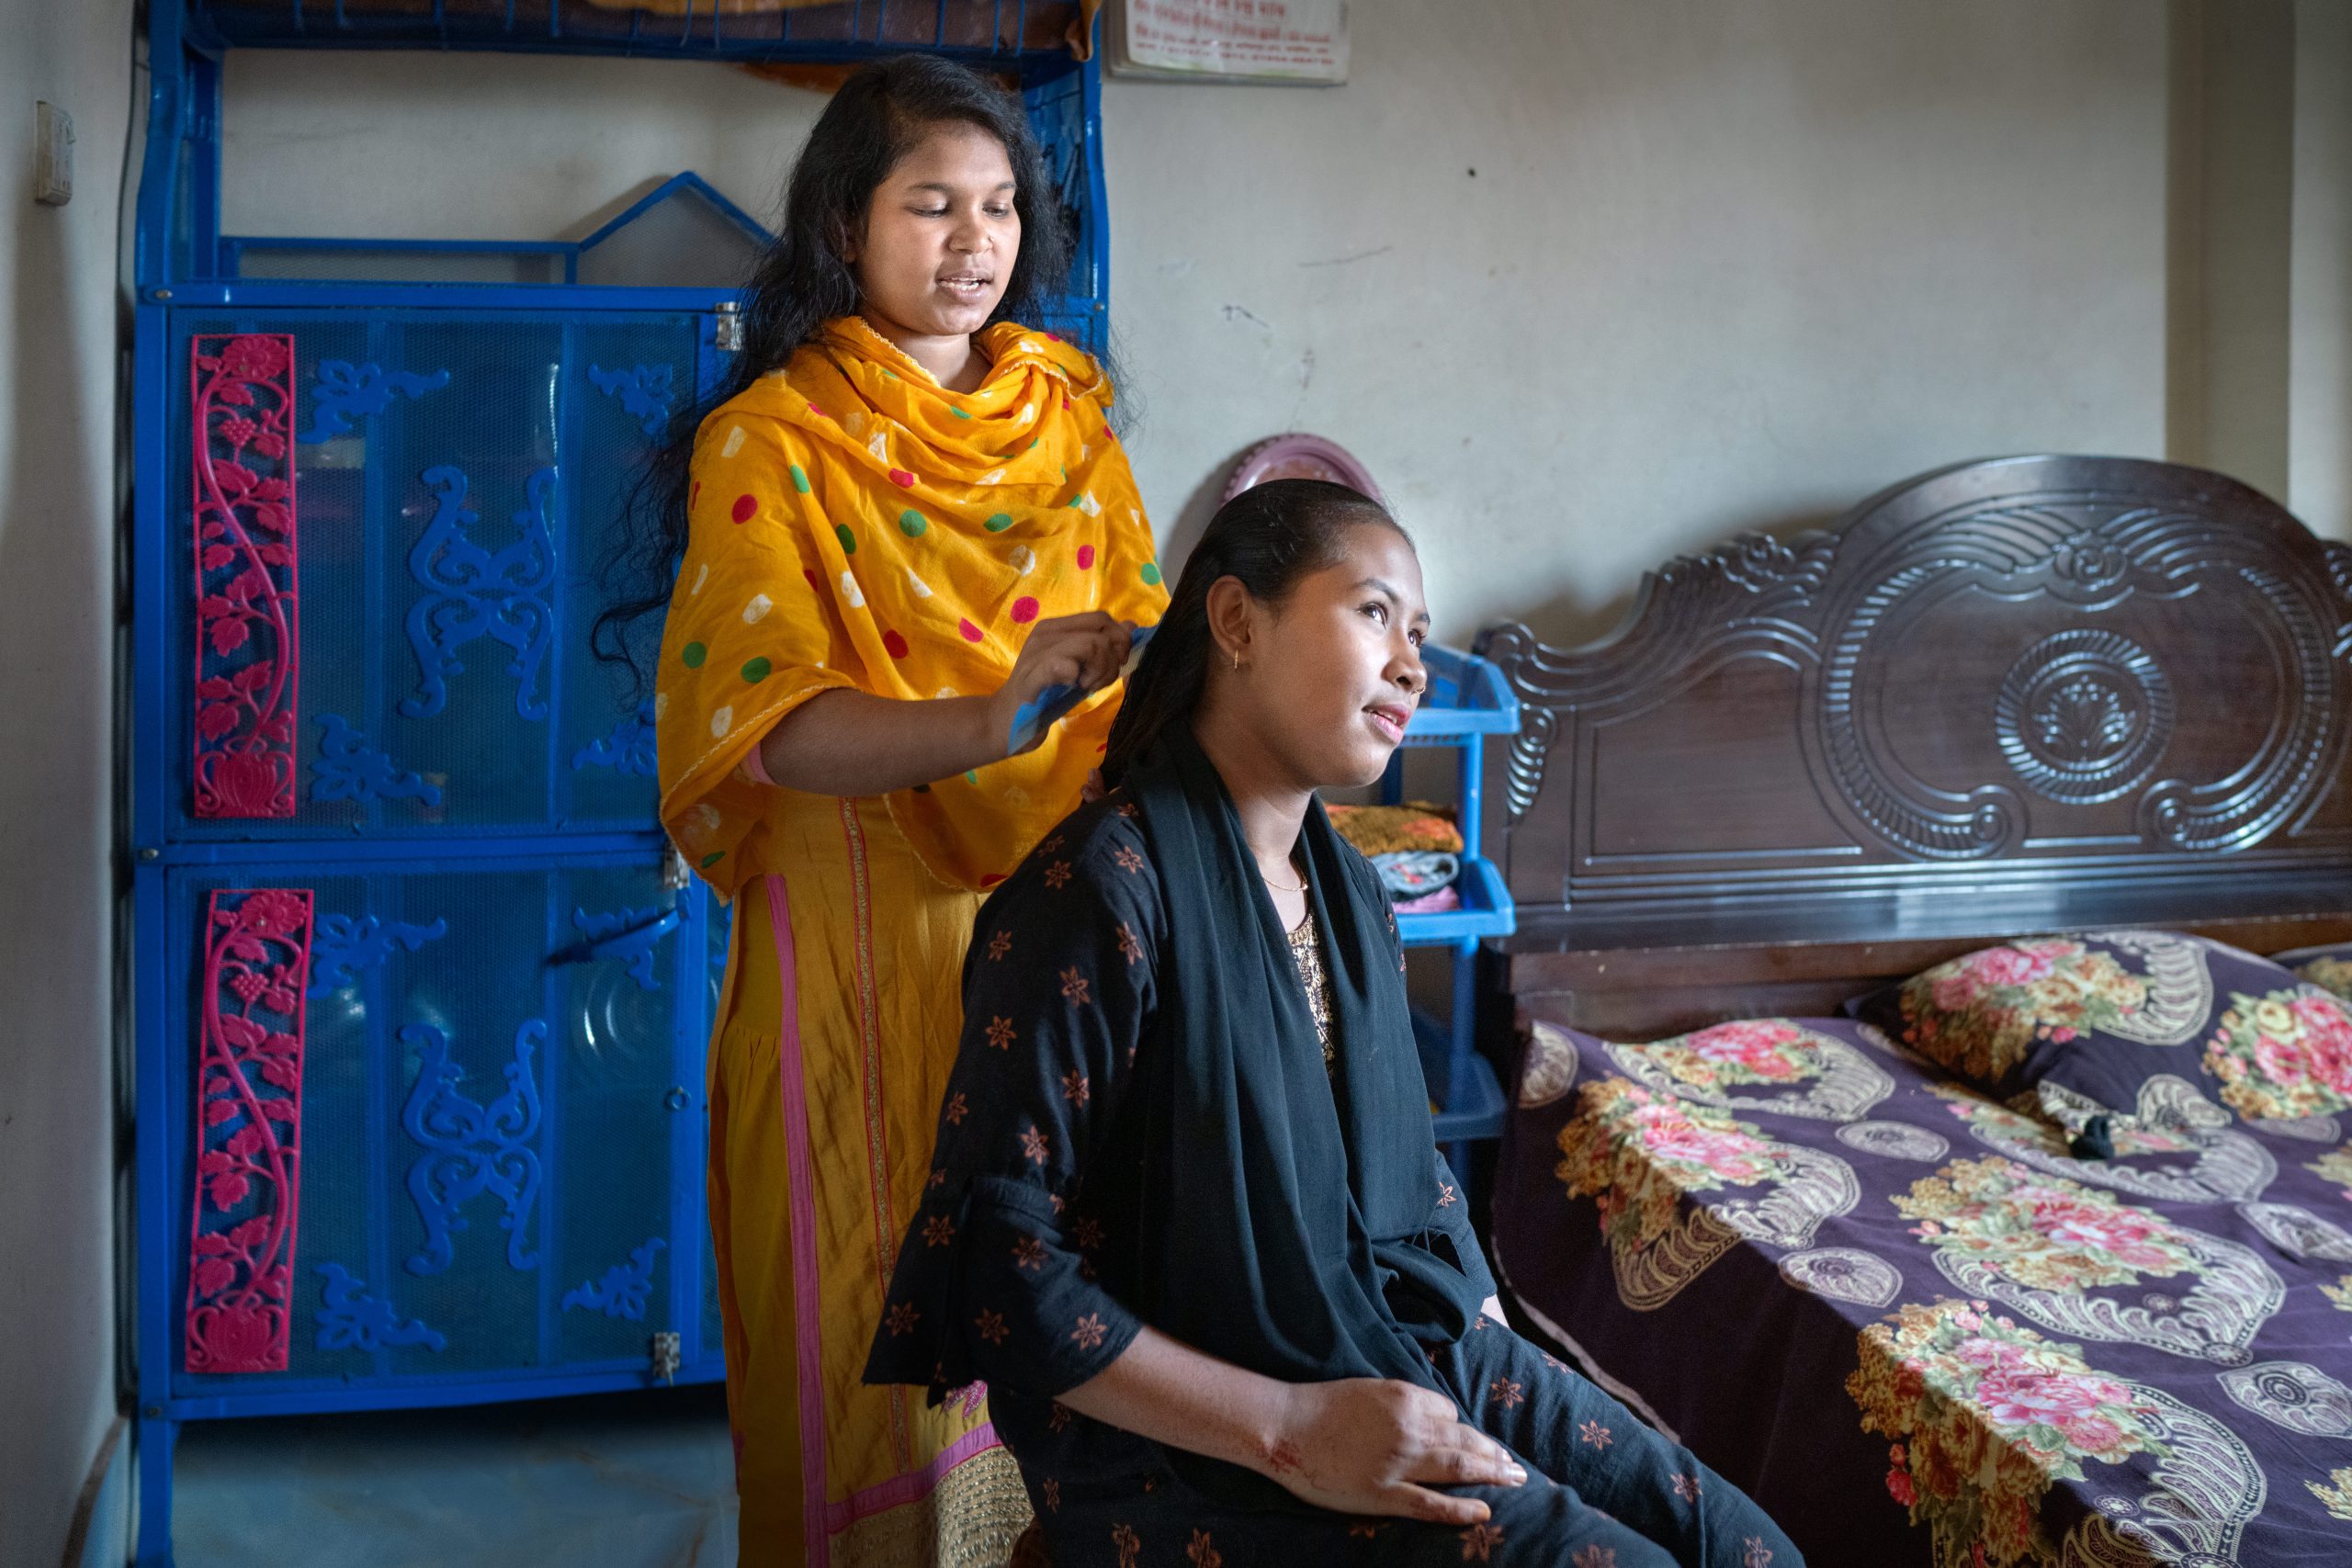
<point x="1378" y="1446"/>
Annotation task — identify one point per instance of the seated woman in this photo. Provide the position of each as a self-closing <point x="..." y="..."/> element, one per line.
<point x="1187" y="1220"/>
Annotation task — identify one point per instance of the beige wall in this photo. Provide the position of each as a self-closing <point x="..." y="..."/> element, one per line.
<point x="488" y="147"/>
<point x="2259" y="319"/>
<point x="2232" y="116"/>
<point x="1721" y="267"/>
<point x="57" y="517"/>
<point x="2319" y="444"/>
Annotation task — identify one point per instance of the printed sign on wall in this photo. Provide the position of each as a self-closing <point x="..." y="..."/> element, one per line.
<point x="1249" y="40"/>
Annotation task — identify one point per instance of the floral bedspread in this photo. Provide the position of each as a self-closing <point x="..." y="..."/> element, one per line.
<point x="1916" y="1329"/>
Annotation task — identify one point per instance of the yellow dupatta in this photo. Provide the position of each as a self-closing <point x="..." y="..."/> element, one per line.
<point x="853" y="523"/>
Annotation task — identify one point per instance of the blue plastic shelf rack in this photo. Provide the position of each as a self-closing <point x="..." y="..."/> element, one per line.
<point x="1468" y="701"/>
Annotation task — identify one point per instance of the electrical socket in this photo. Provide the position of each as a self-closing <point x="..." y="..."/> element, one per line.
<point x="53" y="155"/>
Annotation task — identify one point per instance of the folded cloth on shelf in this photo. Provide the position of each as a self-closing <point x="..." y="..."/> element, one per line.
<point x="1417" y="873"/>
<point x="1415" y="826"/>
<point x="1443" y="901"/>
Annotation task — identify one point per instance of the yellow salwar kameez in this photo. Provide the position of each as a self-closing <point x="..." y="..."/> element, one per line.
<point x="854" y="524"/>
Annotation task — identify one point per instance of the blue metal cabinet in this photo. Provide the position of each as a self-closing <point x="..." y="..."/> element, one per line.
<point x="506" y="984"/>
<point x="460" y="472"/>
<point x="502" y="1128"/>
<point x="492" y="1178"/>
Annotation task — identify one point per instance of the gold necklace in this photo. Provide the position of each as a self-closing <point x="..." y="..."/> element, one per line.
<point x="1278" y="887"/>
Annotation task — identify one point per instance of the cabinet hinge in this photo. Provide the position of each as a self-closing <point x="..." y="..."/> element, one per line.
<point x="665" y="1355"/>
<point x="726" y="329"/>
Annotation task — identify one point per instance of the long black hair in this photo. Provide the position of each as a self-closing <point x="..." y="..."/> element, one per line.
<point x="801" y="283"/>
<point x="1266" y="538"/>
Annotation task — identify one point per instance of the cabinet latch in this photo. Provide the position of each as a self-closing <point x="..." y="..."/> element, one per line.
<point x="665" y="1355"/>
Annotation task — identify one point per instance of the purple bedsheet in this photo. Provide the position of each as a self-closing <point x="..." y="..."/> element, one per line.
<point x="1915" y="1328"/>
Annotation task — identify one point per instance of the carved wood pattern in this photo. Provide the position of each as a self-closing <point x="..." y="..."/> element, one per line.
<point x="2002" y="674"/>
<point x="1748" y="595"/>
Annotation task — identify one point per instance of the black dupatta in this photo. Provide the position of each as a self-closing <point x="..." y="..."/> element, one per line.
<point x="1283" y="1205"/>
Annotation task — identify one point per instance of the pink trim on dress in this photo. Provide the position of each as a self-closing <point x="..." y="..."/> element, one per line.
<point x="913" y="1485"/>
<point x="807" y="1327"/>
<point x="821" y="1519"/>
<point x="756" y="769"/>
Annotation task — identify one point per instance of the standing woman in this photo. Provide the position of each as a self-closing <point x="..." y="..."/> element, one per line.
<point x="905" y="516"/>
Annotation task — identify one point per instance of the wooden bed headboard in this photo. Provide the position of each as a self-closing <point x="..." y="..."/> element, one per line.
<point x="2020" y="694"/>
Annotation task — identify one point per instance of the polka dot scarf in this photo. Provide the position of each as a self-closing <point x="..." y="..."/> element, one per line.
<point x="853" y="523"/>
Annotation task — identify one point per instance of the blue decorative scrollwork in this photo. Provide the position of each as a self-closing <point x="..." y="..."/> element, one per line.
<point x="643" y="389"/>
<point x="472" y="593"/>
<point x="344" y="391"/>
<point x="472" y="1149"/>
<point x="628" y="749"/>
<point x="354" y="1320"/>
<point x="629" y="935"/>
<point x="623" y="1290"/>
<point x="349" y="769"/>
<point x="341" y="947"/>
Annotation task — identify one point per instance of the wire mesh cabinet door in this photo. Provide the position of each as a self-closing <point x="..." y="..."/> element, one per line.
<point x="388" y="567"/>
<point x="441" y="1122"/>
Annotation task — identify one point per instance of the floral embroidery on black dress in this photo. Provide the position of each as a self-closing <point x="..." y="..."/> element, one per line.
<point x="1008" y="1277"/>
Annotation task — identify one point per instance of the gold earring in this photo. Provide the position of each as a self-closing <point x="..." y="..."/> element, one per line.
<point x="1237" y="662"/>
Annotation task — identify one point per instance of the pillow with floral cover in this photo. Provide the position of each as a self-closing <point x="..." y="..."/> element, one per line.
<point x="2329" y="967"/>
<point x="2072" y="1028"/>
